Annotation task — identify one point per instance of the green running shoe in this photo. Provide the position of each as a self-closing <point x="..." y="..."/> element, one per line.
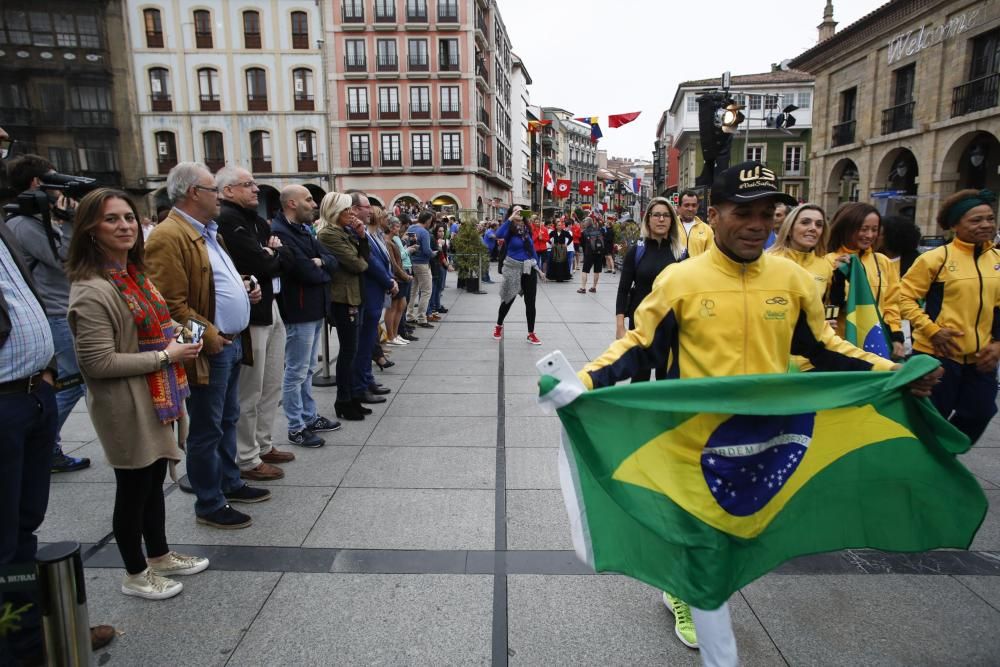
<point x="683" y="624"/>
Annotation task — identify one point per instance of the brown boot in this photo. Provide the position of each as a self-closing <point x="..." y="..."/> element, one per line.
<point x="277" y="456"/>
<point x="101" y="636"/>
<point x="263" y="473"/>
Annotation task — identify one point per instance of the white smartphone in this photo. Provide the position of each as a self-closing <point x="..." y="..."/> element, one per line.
<point x="556" y="365"/>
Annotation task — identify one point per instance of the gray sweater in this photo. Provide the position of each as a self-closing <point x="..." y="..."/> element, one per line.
<point x="46" y="268"/>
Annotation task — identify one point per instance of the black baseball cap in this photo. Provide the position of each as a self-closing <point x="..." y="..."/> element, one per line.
<point x="746" y="182"/>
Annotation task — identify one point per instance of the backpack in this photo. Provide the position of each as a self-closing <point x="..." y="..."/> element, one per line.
<point x="595" y="242"/>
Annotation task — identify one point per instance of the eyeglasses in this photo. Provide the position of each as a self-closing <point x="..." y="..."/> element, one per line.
<point x="206" y="188"/>
<point x="659" y="216"/>
<point x="244" y="184"/>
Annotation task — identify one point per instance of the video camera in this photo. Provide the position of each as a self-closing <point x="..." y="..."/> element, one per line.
<point x="38" y="202"/>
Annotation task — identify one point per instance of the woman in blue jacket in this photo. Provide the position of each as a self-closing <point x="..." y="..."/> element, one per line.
<point x="520" y="272"/>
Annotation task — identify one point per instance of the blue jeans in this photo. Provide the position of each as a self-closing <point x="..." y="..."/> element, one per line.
<point x="214" y="410"/>
<point x="361" y="377"/>
<point x="66" y="399"/>
<point x="29" y="429"/>
<point x="971" y="395"/>
<point x="437" y="285"/>
<point x="302" y="341"/>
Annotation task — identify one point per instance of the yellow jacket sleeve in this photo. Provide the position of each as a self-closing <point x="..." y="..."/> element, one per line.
<point x="890" y="295"/>
<point x="915" y="285"/>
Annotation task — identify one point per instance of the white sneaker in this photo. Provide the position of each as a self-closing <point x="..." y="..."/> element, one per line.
<point x="173" y="563"/>
<point x="399" y="340"/>
<point x="147" y="584"/>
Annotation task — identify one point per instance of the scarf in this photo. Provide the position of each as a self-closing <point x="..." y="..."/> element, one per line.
<point x="168" y="387"/>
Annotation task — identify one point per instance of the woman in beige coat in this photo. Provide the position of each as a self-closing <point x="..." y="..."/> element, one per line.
<point x="132" y="363"/>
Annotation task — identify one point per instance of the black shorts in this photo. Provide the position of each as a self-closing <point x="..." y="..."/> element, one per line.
<point x="592" y="261"/>
<point x="404" y="290"/>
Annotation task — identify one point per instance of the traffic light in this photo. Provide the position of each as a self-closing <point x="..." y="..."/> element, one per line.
<point x="719" y="117"/>
<point x="675" y="199"/>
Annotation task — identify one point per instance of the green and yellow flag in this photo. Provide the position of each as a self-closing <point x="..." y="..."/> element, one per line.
<point x="863" y="326"/>
<point x="701" y="503"/>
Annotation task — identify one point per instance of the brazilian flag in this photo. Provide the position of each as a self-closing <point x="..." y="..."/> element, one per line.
<point x="700" y="486"/>
<point x="863" y="326"/>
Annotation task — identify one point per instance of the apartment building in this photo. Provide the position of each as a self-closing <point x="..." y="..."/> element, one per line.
<point x="522" y="174"/>
<point x="238" y="83"/>
<point x="421" y="102"/>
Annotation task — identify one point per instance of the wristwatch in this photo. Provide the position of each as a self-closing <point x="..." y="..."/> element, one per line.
<point x="164" y="358"/>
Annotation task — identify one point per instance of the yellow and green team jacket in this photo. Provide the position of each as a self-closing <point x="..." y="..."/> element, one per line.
<point x="818" y="267"/>
<point x="883" y="278"/>
<point x="699" y="240"/>
<point x="711" y="316"/>
<point x="961" y="289"/>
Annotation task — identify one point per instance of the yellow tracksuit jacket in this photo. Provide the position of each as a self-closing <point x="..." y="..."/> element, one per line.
<point x="699" y="240"/>
<point x="818" y="267"/>
<point x="883" y="278"/>
<point x="961" y="286"/>
<point x="711" y="317"/>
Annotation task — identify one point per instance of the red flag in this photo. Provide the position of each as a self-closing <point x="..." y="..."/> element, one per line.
<point x="563" y="186"/>
<point x="547" y="181"/>
<point x="617" y="120"/>
<point x="536" y="125"/>
<point x="586" y="188"/>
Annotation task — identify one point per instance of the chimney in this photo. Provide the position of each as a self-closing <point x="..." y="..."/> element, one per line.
<point x="828" y="26"/>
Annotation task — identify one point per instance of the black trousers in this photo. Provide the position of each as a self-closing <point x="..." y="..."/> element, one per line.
<point x="347" y="335"/>
<point x="529" y="287"/>
<point x="140" y="514"/>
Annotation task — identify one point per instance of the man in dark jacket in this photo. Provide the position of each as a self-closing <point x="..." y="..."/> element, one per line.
<point x="258" y="255"/>
<point x="302" y="301"/>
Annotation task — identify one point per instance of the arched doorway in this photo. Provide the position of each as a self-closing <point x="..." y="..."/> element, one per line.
<point x="898" y="172"/>
<point x="844" y="184"/>
<point x="317" y="192"/>
<point x="405" y="202"/>
<point x="979" y="163"/>
<point x="445" y="202"/>
<point x="268" y="201"/>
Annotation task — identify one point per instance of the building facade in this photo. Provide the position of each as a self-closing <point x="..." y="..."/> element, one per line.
<point x="421" y="102"/>
<point x="523" y="170"/>
<point x="567" y="148"/>
<point x="64" y="88"/>
<point x="764" y="96"/>
<point x="907" y="106"/>
<point x="231" y="83"/>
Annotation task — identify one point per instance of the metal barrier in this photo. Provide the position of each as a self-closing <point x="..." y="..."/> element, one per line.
<point x="63" y="595"/>
<point x="323" y="378"/>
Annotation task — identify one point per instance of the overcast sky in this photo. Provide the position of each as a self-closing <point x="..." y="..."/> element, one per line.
<point x="600" y="57"/>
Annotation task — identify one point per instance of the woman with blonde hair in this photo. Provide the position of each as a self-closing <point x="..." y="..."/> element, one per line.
<point x="802" y="238"/>
<point x="133" y="363"/>
<point x="343" y="234"/>
<point x="660" y="245"/>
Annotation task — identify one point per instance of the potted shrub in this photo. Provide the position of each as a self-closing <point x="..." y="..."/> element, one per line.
<point x="470" y="252"/>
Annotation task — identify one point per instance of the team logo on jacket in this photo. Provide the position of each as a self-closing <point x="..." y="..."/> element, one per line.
<point x="996" y="267"/>
<point x="707" y="308"/>
<point x="777" y="301"/>
<point x="748" y="458"/>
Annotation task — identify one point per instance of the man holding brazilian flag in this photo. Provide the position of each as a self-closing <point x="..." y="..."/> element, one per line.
<point x="700" y="485"/>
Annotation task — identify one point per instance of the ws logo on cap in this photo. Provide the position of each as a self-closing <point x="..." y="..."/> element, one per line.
<point x="758" y="173"/>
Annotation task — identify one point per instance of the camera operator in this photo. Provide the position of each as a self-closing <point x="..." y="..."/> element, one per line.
<point x="43" y="228"/>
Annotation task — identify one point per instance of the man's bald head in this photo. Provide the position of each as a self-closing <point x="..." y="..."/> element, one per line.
<point x="297" y="204"/>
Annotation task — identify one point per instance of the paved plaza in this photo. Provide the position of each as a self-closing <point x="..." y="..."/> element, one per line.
<point x="433" y="532"/>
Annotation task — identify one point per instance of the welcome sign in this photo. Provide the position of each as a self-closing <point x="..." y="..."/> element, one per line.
<point x="908" y="43"/>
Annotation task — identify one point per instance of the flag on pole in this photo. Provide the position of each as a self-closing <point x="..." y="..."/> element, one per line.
<point x="716" y="481"/>
<point x="595" y="128"/>
<point x="563" y="186"/>
<point x="536" y="125"/>
<point x="636" y="185"/>
<point x="586" y="188"/>
<point x="619" y="119"/>
<point x="863" y="325"/>
<point x="547" y="181"/>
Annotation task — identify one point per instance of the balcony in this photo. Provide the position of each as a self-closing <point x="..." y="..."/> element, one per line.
<point x="388" y="111"/>
<point x="357" y="112"/>
<point x="304" y="103"/>
<point x="385" y="13"/>
<point x="209" y="102"/>
<point x="89" y="118"/>
<point x="484" y="161"/>
<point x="392" y="158"/>
<point x="481" y="27"/>
<point x="418" y="63"/>
<point x="484" y="118"/>
<point x="416" y="14"/>
<point x="482" y="75"/>
<point x="448" y="64"/>
<point x="361" y="157"/>
<point x="164" y="163"/>
<point x="308" y="164"/>
<point x="792" y="168"/>
<point x="355" y="63"/>
<point x="154" y="40"/>
<point x="843" y="133"/>
<point x="157" y="103"/>
<point x="447" y="12"/>
<point x="976" y="95"/>
<point x="423" y="161"/>
<point x="256" y="102"/>
<point x="300" y="40"/>
<point x="420" y="113"/>
<point x="261" y="165"/>
<point x="251" y="40"/>
<point x="451" y="159"/>
<point x="897" y="118"/>
<point x="353" y="12"/>
<point x="203" y="40"/>
<point x="387" y="63"/>
<point x="454" y="113"/>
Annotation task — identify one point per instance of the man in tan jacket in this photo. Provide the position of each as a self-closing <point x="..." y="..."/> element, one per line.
<point x="189" y="264"/>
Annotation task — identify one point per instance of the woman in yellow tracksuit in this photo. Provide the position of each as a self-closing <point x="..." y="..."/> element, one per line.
<point x="853" y="231"/>
<point x="959" y="323"/>
<point x="802" y="238"/>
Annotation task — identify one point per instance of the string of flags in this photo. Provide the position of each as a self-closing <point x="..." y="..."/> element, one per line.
<point x="614" y="121"/>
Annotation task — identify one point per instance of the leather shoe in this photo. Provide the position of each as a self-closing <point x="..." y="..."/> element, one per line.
<point x="263" y="473"/>
<point x="101" y="636"/>
<point x="277" y="456"/>
<point x="379" y="389"/>
<point x="369" y="397"/>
